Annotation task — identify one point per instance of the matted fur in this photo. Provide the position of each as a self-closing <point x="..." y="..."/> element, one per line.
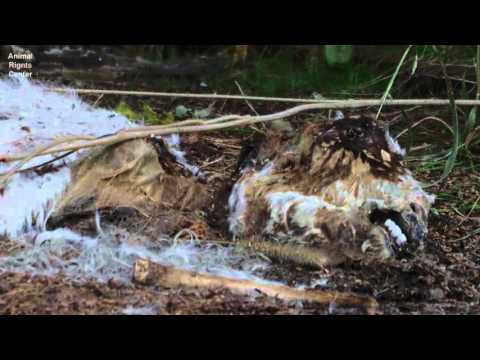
<point x="131" y="175"/>
<point x="342" y="188"/>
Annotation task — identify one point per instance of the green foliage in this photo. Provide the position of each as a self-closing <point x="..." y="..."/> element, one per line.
<point x="392" y="80"/>
<point x="338" y="54"/>
<point x="149" y="116"/>
<point x="125" y="110"/>
<point x="471" y="121"/>
<point x="472" y="116"/>
<point x="165" y="119"/>
<point x="201" y="114"/>
<point x="288" y="75"/>
<point x="461" y="140"/>
<point x="182" y="111"/>
<point x="456" y="140"/>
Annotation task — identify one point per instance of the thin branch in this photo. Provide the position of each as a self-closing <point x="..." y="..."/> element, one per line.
<point x="196" y="125"/>
<point x="421" y="121"/>
<point x="340" y="103"/>
<point x="246" y="100"/>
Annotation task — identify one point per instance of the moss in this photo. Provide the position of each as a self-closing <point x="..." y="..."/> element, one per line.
<point x="125" y="110"/>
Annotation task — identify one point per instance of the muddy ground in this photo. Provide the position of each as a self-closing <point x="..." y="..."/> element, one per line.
<point x="443" y="279"/>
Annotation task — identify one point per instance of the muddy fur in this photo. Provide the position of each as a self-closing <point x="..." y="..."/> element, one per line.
<point x="136" y="184"/>
<point x="331" y="188"/>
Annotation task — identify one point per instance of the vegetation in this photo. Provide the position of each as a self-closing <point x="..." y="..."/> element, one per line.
<point x="453" y="72"/>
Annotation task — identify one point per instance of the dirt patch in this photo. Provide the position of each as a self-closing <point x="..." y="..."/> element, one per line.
<point x="25" y="294"/>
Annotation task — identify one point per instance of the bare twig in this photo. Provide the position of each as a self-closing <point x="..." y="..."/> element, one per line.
<point x="344" y="103"/>
<point x="75" y="143"/>
<point x="98" y="100"/>
<point x="250" y="106"/>
<point x="477" y="70"/>
<point x="246" y="100"/>
<point x="4" y="178"/>
<point x="193" y="125"/>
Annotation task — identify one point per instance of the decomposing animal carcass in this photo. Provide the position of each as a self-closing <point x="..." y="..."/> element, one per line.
<point x="141" y="183"/>
<point x="339" y="191"/>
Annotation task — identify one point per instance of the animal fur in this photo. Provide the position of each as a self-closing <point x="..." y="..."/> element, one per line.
<point x="342" y="189"/>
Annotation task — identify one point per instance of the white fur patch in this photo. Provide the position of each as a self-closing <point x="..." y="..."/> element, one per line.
<point x="237" y="201"/>
<point x="305" y="210"/>
<point x="173" y="144"/>
<point x="81" y="258"/>
<point x="393" y="145"/>
<point x="31" y="117"/>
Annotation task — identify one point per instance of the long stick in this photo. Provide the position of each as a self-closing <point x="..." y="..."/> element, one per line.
<point x="150" y="131"/>
<point x="213" y="124"/>
<point x="147" y="273"/>
<point x="342" y="103"/>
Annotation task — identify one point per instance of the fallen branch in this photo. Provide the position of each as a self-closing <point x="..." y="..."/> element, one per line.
<point x="76" y="143"/>
<point x="148" y="273"/>
<point x="223" y="122"/>
<point x="192" y="125"/>
<point x="343" y="103"/>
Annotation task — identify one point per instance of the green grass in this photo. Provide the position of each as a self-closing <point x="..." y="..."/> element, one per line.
<point x="286" y="75"/>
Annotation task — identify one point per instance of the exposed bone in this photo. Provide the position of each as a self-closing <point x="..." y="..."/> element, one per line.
<point x="148" y="273"/>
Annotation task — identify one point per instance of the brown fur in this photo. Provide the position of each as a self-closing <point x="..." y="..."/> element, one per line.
<point x="353" y="154"/>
